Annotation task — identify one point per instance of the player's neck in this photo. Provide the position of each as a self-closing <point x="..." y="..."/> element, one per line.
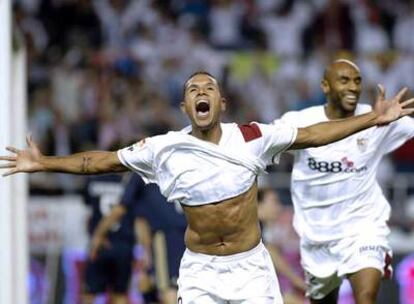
<point x="212" y="135"/>
<point x="332" y="112"/>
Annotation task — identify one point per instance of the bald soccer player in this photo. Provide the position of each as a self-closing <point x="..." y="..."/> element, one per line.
<point x="211" y="169"/>
<point x="340" y="211"/>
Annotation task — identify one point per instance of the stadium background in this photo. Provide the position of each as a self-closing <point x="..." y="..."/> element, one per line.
<point x="111" y="71"/>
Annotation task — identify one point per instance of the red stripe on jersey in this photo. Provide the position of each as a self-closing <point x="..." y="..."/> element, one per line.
<point x="250" y="131"/>
<point x="387" y="266"/>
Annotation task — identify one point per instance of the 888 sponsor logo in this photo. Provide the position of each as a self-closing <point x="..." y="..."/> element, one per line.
<point x="345" y="165"/>
<point x="324" y="166"/>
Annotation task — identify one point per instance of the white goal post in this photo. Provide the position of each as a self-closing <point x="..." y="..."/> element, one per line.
<point x="13" y="190"/>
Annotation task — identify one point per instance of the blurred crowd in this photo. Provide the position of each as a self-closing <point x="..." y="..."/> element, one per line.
<point x="104" y="73"/>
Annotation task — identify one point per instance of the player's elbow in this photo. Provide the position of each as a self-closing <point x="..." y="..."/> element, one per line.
<point x="308" y="138"/>
<point x="110" y="163"/>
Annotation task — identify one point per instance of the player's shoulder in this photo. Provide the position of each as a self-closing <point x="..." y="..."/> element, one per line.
<point x="249" y="131"/>
<point x="229" y="126"/>
<point x="304" y="116"/>
<point x="165" y="138"/>
<point x="310" y="111"/>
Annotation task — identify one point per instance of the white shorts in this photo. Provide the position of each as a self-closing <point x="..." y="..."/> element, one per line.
<point x="327" y="264"/>
<point x="248" y="277"/>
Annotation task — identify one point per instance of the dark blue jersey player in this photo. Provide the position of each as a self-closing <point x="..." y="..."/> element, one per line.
<point x="165" y="235"/>
<point x="109" y="269"/>
<point x="167" y="227"/>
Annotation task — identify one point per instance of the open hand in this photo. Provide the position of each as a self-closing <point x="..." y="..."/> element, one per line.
<point x="393" y="109"/>
<point x="22" y="160"/>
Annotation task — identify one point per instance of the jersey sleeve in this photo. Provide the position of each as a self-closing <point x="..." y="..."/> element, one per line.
<point x="290" y="118"/>
<point x="139" y="158"/>
<point x="277" y="138"/>
<point x="399" y="132"/>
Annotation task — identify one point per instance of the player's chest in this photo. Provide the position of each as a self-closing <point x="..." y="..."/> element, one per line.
<point x="206" y="158"/>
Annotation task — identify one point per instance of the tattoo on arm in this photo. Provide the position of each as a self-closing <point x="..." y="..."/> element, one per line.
<point x="85" y="164"/>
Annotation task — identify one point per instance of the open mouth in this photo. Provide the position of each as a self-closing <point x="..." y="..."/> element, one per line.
<point x="202" y="108"/>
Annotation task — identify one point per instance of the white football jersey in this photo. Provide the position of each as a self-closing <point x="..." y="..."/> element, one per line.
<point x="334" y="188"/>
<point x="195" y="172"/>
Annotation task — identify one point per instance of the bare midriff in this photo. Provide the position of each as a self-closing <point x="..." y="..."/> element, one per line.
<point x="223" y="228"/>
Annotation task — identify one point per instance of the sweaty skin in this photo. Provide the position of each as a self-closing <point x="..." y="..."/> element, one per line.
<point x="224" y="228"/>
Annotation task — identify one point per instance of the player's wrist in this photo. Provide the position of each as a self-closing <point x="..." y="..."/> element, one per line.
<point x="372" y="118"/>
<point x="44" y="164"/>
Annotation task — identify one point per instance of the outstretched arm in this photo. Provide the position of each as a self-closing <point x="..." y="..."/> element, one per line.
<point x="32" y="160"/>
<point x="383" y="113"/>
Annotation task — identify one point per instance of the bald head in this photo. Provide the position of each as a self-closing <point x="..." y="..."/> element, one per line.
<point x="338" y="65"/>
<point x="341" y="85"/>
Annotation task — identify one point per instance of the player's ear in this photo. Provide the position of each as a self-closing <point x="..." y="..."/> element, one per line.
<point x="182" y="107"/>
<point x="223" y="104"/>
<point x="325" y="86"/>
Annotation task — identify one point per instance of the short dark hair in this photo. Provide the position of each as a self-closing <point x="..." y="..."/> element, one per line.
<point x="201" y="72"/>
